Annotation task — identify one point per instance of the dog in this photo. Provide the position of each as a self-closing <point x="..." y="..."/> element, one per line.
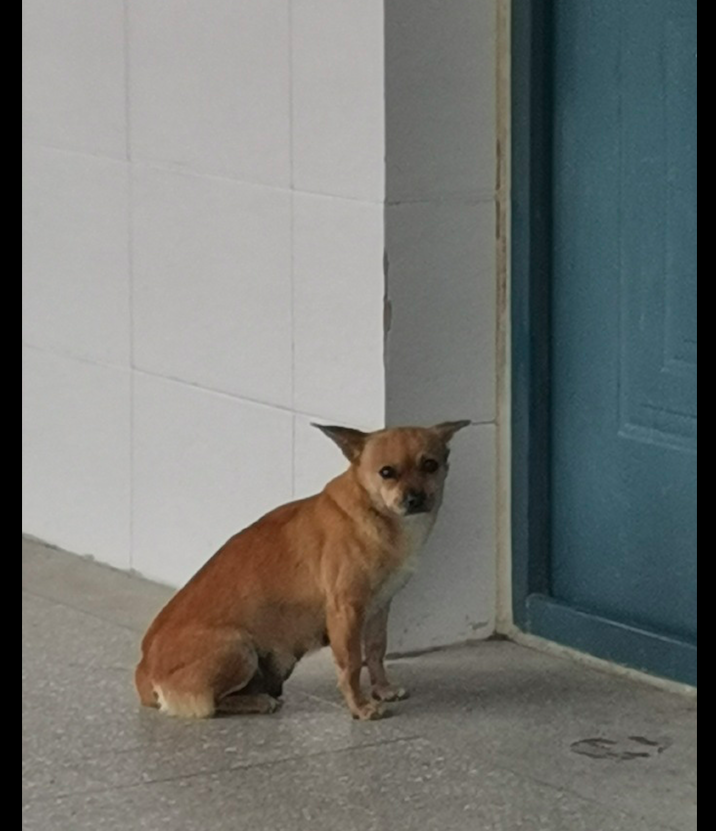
<point x="320" y="571"/>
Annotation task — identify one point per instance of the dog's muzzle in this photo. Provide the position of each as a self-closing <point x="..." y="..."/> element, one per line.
<point x="416" y="502"/>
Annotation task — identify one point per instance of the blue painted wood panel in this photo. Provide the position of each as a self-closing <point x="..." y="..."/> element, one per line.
<point x="623" y="329"/>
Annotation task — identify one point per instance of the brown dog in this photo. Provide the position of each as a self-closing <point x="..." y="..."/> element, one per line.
<point x="318" y="571"/>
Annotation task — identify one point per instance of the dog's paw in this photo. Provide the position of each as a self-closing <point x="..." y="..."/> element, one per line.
<point x="390" y="693"/>
<point x="273" y="705"/>
<point x="370" y="711"/>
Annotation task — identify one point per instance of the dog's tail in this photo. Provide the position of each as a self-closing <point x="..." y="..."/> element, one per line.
<point x="183" y="704"/>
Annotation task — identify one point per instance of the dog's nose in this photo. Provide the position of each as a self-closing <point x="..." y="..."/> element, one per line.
<point x="415" y="501"/>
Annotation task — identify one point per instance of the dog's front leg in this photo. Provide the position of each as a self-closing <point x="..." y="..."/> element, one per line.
<point x="345" y="629"/>
<point x="375" y="645"/>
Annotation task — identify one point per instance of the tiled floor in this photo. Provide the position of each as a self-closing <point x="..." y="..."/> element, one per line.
<point x="495" y="737"/>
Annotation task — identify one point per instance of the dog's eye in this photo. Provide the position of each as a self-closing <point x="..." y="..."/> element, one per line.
<point x="389" y="473"/>
<point x="429" y="466"/>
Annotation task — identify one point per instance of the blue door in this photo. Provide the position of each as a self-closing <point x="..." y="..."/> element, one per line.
<point x="618" y="576"/>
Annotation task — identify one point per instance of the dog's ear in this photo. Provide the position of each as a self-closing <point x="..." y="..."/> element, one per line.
<point x="447" y="429"/>
<point x="350" y="441"/>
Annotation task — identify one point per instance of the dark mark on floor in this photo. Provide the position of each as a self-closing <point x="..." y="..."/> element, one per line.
<point x="622" y="751"/>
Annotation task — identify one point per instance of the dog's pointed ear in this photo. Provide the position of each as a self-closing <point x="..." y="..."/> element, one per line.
<point x="350" y="441"/>
<point x="447" y="429"/>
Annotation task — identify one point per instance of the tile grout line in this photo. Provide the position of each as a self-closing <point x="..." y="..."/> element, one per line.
<point x="132" y="372"/>
<point x="476" y="197"/>
<point x="229" y="769"/>
<point x="293" y="456"/>
<point x="42" y="144"/>
<point x="320" y="700"/>
<point x="130" y="276"/>
<point x="291" y="111"/>
<point x="64" y="605"/>
<point x="137" y="371"/>
<point x="132" y="399"/>
<point x="292" y="233"/>
<point x="407" y="739"/>
<point x="438" y="744"/>
<point x="543" y="783"/>
<point x="127" y="84"/>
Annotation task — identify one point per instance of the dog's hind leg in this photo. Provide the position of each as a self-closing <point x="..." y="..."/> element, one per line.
<point x="206" y="667"/>
<point x="261" y="694"/>
<point x="261" y="704"/>
<point x="274" y="670"/>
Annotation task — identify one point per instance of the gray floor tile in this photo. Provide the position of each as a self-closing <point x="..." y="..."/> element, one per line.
<point x="495" y="737"/>
<point x="539" y="716"/>
<point x="83" y="729"/>
<point x="78" y="582"/>
<point x="394" y="787"/>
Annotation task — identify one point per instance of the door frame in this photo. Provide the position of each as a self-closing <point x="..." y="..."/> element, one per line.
<point x="535" y="610"/>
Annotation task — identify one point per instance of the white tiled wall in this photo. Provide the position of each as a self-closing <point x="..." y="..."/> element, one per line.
<point x="451" y="598"/>
<point x="441" y="87"/>
<point x="205" y="224"/>
<point x="337" y="243"/>
<point x="212" y="283"/>
<point x="74" y="73"/>
<point x="338" y="98"/>
<point x="76" y="461"/>
<point x="76" y="258"/>
<point x="188" y="305"/>
<point x="205" y="466"/>
<point x="441" y="243"/>
<point x="209" y="86"/>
